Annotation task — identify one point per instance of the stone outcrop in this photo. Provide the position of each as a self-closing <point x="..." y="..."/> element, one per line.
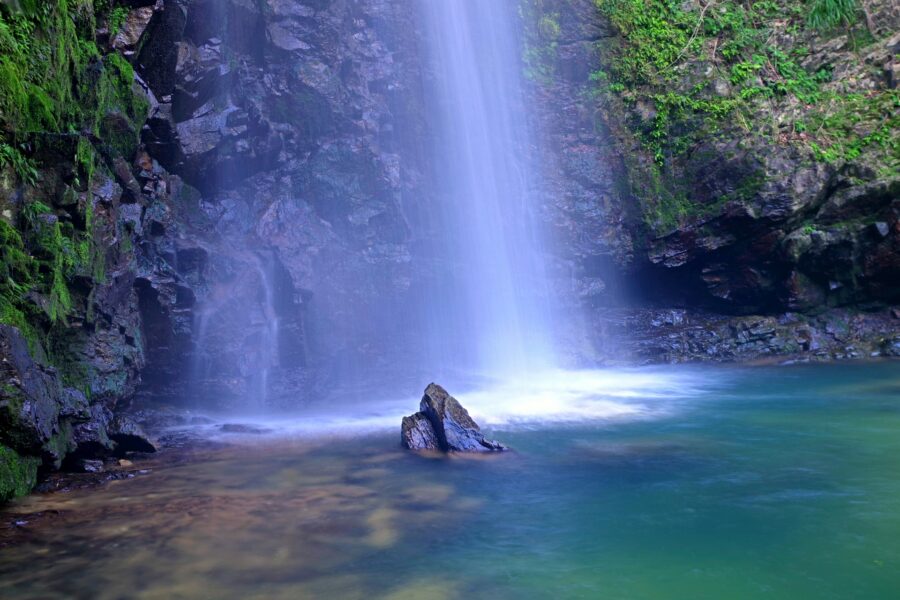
<point x="417" y="433"/>
<point x="657" y="335"/>
<point x="442" y="423"/>
<point x="89" y="240"/>
<point x="44" y="421"/>
<point x="752" y="219"/>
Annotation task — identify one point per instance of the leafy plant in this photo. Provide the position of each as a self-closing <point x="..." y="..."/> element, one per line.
<point x="117" y="18"/>
<point x="827" y="14"/>
<point x="25" y="168"/>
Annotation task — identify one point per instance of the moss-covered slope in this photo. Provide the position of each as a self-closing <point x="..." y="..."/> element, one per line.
<point x="70" y="117"/>
<point x="751" y="149"/>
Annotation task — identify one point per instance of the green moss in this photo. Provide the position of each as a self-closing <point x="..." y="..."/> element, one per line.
<point x="117" y="18"/>
<point x="671" y="51"/>
<point x="60" y="443"/>
<point x="18" y="474"/>
<point x="54" y="83"/>
<point x="684" y="74"/>
<point x="53" y="77"/>
<point x="60" y="96"/>
<point x="115" y="97"/>
<point x="18" y="273"/>
<point x="542" y="32"/>
<point x="57" y="257"/>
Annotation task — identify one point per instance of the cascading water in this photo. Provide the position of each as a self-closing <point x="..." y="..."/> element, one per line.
<point x="493" y="310"/>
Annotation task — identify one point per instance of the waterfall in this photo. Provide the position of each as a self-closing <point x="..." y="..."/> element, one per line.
<point x="490" y="309"/>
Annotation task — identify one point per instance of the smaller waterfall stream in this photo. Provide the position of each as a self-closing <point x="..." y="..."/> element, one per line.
<point x="269" y="328"/>
<point x="237" y="333"/>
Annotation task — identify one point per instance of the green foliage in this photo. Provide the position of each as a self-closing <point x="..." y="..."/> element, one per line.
<point x="57" y="257"/>
<point x="25" y="169"/>
<point x="844" y="125"/>
<point x="17" y="275"/>
<point x="54" y="79"/>
<point x="36" y="70"/>
<point x="117" y="18"/>
<point x="114" y="94"/>
<point x="662" y="36"/>
<point x="685" y="73"/>
<point x="55" y="82"/>
<point x="658" y="34"/>
<point x="827" y="14"/>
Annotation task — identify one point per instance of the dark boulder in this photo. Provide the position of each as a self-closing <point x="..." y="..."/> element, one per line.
<point x="129" y="436"/>
<point x="92" y="436"/>
<point x="442" y="423"/>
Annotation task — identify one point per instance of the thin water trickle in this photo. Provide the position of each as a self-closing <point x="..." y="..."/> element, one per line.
<point x="239" y="316"/>
<point x="268" y="360"/>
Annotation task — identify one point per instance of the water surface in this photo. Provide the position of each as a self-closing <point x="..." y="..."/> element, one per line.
<point x="721" y="483"/>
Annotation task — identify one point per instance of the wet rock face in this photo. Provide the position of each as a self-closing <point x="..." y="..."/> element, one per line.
<point x="42" y="419"/>
<point x="585" y="204"/>
<point x="30" y="396"/>
<point x="129" y="436"/>
<point x="442" y="423"/>
<point x="297" y="122"/>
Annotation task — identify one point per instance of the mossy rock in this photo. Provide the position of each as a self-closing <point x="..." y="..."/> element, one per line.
<point x="18" y="474"/>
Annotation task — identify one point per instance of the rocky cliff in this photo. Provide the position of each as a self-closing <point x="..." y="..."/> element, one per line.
<point x="177" y="177"/>
<point x="725" y="159"/>
<point x="73" y="211"/>
<point x="297" y="124"/>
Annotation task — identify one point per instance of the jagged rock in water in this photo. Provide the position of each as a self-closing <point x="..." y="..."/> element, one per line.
<point x="442" y="423"/>
<point x="416" y="433"/>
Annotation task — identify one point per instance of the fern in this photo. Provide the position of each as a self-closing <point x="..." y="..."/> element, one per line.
<point x="25" y="168"/>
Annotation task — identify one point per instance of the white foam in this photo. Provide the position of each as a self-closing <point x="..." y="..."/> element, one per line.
<point x="542" y="398"/>
<point x="573" y="396"/>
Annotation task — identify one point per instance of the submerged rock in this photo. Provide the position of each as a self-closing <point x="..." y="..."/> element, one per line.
<point x="442" y="423"/>
<point x="243" y="428"/>
<point x="87" y="465"/>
